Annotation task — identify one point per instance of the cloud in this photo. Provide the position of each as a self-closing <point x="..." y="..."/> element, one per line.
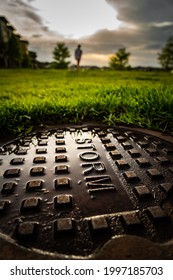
<point x="77" y="18"/>
<point x="33" y="16"/>
<point x="162" y="24"/>
<point x="144" y="11"/>
<point x="36" y="35"/>
<point x="23" y="16"/>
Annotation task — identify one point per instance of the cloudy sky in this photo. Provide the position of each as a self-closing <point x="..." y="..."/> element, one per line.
<point x="100" y="26"/>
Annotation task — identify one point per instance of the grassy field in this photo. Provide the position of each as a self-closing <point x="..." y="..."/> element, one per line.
<point x="29" y="98"/>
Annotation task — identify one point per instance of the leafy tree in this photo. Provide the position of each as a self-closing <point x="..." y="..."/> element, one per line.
<point x="3" y="52"/>
<point x="25" y="61"/>
<point x="33" y="59"/>
<point x="61" y="53"/>
<point x="166" y="56"/>
<point x="119" y="60"/>
<point x="14" y="51"/>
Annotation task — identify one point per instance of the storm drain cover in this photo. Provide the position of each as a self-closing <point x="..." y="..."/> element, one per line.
<point x="71" y="190"/>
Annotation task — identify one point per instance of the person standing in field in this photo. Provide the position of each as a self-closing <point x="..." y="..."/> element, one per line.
<point x="78" y="55"/>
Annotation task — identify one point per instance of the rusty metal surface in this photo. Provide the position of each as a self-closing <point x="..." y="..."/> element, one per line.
<point x="69" y="191"/>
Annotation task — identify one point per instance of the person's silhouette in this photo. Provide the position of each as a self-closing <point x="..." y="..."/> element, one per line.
<point x="78" y="55"/>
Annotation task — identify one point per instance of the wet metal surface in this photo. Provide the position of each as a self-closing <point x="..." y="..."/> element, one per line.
<point x="71" y="190"/>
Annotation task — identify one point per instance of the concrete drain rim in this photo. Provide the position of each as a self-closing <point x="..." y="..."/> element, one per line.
<point x="154" y="212"/>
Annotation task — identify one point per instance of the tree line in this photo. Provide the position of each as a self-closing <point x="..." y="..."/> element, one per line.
<point x="119" y="60"/>
<point x="61" y="54"/>
<point x="13" y="56"/>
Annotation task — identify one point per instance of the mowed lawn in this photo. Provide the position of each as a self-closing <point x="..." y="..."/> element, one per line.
<point x="29" y="98"/>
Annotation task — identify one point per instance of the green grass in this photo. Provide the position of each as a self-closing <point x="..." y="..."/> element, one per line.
<point x="29" y="98"/>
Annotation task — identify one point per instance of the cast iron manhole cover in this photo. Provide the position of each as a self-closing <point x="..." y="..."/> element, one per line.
<point x="70" y="190"/>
